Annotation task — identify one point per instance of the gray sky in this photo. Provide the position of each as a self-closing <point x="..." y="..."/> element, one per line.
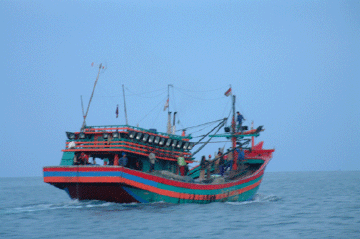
<point x="293" y="65"/>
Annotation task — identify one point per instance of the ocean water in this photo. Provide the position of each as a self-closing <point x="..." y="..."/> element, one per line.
<point x="287" y="205"/>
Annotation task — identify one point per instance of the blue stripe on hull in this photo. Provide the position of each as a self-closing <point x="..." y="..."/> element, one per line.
<point x="101" y="174"/>
<point x="81" y="174"/>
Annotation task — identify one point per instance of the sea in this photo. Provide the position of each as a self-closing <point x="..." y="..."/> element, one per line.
<point x="287" y="205"/>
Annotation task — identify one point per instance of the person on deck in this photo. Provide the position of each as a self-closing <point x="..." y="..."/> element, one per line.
<point x="241" y="156"/>
<point x="221" y="164"/>
<point x="208" y="167"/>
<point x="123" y="160"/>
<point x="239" y="119"/>
<point x="152" y="160"/>
<point x="76" y="159"/>
<point x="217" y="162"/>
<point x="229" y="160"/>
<point x="84" y="158"/>
<point x="181" y="163"/>
<point x="203" y="166"/>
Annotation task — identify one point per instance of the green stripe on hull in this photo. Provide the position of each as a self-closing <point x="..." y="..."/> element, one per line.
<point x="153" y="197"/>
<point x="207" y="192"/>
<point x="248" y="195"/>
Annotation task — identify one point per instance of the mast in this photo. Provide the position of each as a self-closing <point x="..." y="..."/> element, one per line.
<point x="174" y="127"/>
<point x="92" y="94"/>
<point x="252" y="138"/>
<point x="168" y="104"/>
<point x="168" y="130"/>
<point x="233" y="138"/>
<point x="125" y="105"/>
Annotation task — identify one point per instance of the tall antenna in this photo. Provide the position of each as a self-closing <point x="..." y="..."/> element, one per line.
<point x="92" y="94"/>
<point x="125" y="105"/>
<point x="82" y="106"/>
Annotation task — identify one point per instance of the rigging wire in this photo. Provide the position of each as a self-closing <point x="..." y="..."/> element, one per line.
<point x="200" y="125"/>
<point x="219" y="126"/>
<point x="157" y="116"/>
<point x="238" y="106"/>
<point x="200" y="90"/>
<point x="216" y="142"/>
<point x="161" y="89"/>
<point x="228" y="117"/>
<point x="207" y="125"/>
<point x="198" y="97"/>
<point x="198" y="136"/>
<point x="173" y="94"/>
<point x="227" y="102"/>
<point x="199" y="131"/>
<point x="175" y="108"/>
<point x="209" y="133"/>
<point x="142" y="95"/>
<point x="132" y="94"/>
<point x="152" y="110"/>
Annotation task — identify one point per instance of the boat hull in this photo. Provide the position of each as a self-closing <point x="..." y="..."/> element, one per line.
<point x="124" y="185"/>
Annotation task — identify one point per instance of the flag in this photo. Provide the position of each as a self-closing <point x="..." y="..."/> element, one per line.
<point x="228" y="92"/>
<point x="166" y="104"/>
<point x="117" y="111"/>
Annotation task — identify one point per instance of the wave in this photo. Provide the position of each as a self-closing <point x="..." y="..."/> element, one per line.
<point x="76" y="204"/>
<point x="73" y="204"/>
<point x="258" y="198"/>
<point x="87" y="204"/>
<point x="267" y="198"/>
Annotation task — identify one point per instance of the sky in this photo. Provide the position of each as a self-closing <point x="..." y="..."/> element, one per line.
<point x="293" y="66"/>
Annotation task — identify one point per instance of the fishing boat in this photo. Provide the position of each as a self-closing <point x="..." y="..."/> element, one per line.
<point x="137" y="182"/>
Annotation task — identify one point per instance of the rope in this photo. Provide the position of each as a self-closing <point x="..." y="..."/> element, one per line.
<point x="219" y="127"/>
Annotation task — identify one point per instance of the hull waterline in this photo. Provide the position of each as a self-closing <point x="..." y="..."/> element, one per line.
<point x="123" y="185"/>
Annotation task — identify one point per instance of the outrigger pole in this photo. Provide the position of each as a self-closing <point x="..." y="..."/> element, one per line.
<point x="92" y="94"/>
<point x="125" y="106"/>
<point x="82" y="106"/>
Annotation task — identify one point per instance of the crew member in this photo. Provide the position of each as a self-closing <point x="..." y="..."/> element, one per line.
<point x="239" y="119"/>
<point x="203" y="165"/>
<point x="181" y="163"/>
<point x="123" y="160"/>
<point x="152" y="160"/>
